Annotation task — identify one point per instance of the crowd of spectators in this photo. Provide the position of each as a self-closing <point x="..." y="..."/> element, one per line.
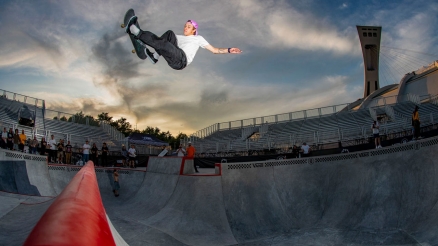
<point x="57" y="151"/>
<point x="12" y="140"/>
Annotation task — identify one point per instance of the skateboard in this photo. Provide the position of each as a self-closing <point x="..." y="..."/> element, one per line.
<point x="138" y="46"/>
<point x="163" y="153"/>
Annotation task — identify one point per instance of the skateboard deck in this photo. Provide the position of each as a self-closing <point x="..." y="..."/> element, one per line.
<point x="163" y="153"/>
<point x="138" y="46"/>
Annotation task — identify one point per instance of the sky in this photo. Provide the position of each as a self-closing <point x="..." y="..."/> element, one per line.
<point x="296" y="55"/>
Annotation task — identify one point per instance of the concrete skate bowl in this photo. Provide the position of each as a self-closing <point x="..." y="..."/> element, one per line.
<point x="385" y="196"/>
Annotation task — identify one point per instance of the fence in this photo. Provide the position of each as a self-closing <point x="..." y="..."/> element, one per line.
<point x="305" y="114"/>
<point x="22" y="98"/>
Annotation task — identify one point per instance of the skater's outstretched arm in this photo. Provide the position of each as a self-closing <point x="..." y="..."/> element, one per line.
<point x="215" y="50"/>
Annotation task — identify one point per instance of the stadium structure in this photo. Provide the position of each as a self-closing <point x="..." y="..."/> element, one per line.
<point x="385" y="196"/>
<point x="339" y="125"/>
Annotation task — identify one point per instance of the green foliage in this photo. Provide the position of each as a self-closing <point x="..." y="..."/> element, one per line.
<point x="123" y="126"/>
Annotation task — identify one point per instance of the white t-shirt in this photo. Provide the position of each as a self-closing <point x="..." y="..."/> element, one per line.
<point x="181" y="152"/>
<point x="86" y="149"/>
<point x="131" y="152"/>
<point x="5" y="135"/>
<point x="375" y="130"/>
<point x="190" y="45"/>
<point x="305" y="149"/>
<point x="52" y="143"/>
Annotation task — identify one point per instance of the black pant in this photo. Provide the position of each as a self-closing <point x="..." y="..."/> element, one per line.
<point x="94" y="159"/>
<point x="52" y="155"/>
<point x="167" y="47"/>
<point x="416" y="128"/>
<point x="194" y="165"/>
<point x="2" y="144"/>
<point x="10" y="145"/>
<point x="104" y="160"/>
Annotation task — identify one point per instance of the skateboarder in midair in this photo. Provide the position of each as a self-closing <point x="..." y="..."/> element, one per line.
<point x="177" y="50"/>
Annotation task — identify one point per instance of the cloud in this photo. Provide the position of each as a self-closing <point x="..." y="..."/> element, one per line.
<point x="279" y="25"/>
<point x="85" y="61"/>
<point x="343" y="6"/>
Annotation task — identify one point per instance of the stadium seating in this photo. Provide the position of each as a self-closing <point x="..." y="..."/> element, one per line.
<point x="76" y="133"/>
<point x="343" y="125"/>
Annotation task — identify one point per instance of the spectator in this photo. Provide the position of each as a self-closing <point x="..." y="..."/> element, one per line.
<point x="124" y="154"/>
<point x="132" y="153"/>
<point x="295" y="151"/>
<point x="68" y="152"/>
<point x="23" y="138"/>
<point x="191" y="154"/>
<point x="104" y="156"/>
<point x="416" y="123"/>
<point x="16" y="140"/>
<point x="4" y="138"/>
<point x="10" y="140"/>
<point x="43" y="146"/>
<point x="375" y="127"/>
<point x="27" y="146"/>
<point x="85" y="152"/>
<point x="116" y="182"/>
<point x="305" y="150"/>
<point x="94" y="155"/>
<point x="33" y="145"/>
<point x="180" y="151"/>
<point x="60" y="147"/>
<point x="52" y="149"/>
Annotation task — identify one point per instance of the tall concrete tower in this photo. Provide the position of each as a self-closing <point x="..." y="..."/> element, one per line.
<point x="369" y="37"/>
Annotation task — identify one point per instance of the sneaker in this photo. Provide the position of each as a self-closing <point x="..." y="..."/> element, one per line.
<point x="131" y="21"/>
<point x="151" y="56"/>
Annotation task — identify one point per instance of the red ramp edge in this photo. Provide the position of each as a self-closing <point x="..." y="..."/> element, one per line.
<point x="76" y="217"/>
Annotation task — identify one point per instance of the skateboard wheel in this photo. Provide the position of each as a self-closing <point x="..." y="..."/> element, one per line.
<point x="122" y="25"/>
<point x="133" y="51"/>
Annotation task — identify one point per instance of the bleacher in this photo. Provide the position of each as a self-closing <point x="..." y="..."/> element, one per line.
<point x="44" y="127"/>
<point x="340" y="126"/>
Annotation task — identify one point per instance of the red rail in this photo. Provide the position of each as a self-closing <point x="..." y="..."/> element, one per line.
<point x="76" y="217"/>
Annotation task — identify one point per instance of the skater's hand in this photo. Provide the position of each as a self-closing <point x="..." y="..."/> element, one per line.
<point x="235" y="51"/>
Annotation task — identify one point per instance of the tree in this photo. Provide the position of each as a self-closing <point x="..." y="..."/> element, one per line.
<point x="105" y="117"/>
<point x="122" y="126"/>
